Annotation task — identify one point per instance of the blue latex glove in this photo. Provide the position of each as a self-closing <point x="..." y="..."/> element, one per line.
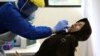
<point x="61" y="25"/>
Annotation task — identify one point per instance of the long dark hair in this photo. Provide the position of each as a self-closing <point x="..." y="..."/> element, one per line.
<point x="58" y="45"/>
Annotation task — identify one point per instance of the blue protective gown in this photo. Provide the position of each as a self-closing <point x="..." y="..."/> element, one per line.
<point x="12" y="20"/>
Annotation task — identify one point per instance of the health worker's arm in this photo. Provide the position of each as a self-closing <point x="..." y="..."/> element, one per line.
<point x="14" y="22"/>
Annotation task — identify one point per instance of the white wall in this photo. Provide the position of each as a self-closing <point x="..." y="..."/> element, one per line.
<point x="50" y="16"/>
<point x="92" y="11"/>
<point x="94" y="17"/>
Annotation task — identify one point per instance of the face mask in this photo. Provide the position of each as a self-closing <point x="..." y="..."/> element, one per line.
<point x="30" y="18"/>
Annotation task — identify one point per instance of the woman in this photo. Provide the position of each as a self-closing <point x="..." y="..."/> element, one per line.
<point x="64" y="43"/>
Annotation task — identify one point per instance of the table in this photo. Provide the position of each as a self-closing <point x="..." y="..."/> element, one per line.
<point x="29" y="50"/>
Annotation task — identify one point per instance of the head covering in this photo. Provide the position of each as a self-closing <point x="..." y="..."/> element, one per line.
<point x="85" y="32"/>
<point x="39" y="3"/>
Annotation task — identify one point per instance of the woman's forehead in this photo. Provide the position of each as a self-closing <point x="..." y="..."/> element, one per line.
<point x="81" y="23"/>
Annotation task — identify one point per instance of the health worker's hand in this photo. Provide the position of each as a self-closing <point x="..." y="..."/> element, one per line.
<point x="61" y="25"/>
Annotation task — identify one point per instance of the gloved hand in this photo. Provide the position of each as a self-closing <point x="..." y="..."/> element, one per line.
<point x="61" y="25"/>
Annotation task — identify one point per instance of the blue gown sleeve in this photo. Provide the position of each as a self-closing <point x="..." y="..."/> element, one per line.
<point x="14" y="22"/>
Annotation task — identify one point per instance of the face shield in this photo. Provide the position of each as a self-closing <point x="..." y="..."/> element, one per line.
<point x="25" y="7"/>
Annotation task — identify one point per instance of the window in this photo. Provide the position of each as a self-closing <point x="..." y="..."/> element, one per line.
<point x="63" y="3"/>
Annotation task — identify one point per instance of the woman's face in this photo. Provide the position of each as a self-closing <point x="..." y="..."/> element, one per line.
<point x="76" y="27"/>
